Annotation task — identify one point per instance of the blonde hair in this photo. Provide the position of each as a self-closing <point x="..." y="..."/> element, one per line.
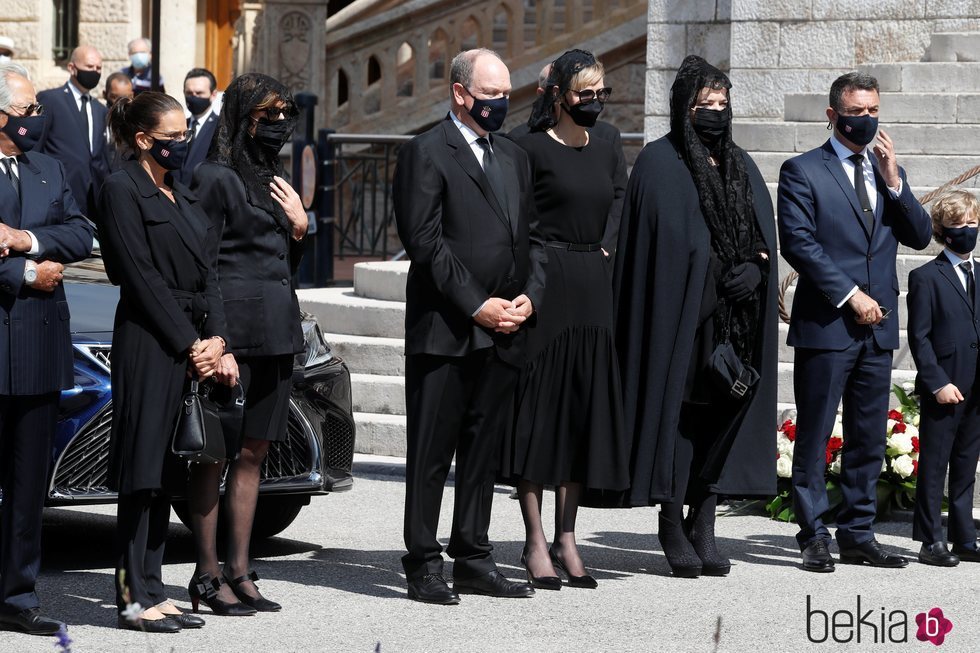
<point x="952" y="207"/>
<point x="587" y="76"/>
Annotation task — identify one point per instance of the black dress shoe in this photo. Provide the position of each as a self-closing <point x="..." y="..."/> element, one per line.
<point x="817" y="558"/>
<point x="259" y="602"/>
<point x="31" y="622"/>
<point x="432" y="588"/>
<point x="185" y="620"/>
<point x="165" y="625"/>
<point x="872" y="553"/>
<point x="967" y="553"/>
<point x="540" y="582"/>
<point x="937" y="555"/>
<point x="493" y="584"/>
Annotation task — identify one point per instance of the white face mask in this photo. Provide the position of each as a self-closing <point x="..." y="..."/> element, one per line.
<point x="4" y="58"/>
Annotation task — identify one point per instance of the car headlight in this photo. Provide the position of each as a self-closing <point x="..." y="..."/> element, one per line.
<point x="316" y="351"/>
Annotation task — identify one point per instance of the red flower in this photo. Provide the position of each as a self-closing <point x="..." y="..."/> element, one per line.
<point x="777" y="455"/>
<point x="915" y="468"/>
<point x="834" y="443"/>
<point x="898" y="428"/>
<point x="830" y="456"/>
<point x="789" y="430"/>
<point x="915" y="444"/>
<point x="895" y="415"/>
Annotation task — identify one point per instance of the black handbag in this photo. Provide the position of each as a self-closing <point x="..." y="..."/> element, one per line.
<point x="730" y="374"/>
<point x="200" y="431"/>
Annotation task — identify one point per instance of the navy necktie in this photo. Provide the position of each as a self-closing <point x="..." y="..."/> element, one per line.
<point x="862" y="190"/>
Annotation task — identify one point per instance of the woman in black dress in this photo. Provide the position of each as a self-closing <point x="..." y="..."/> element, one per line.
<point x="260" y="222"/>
<point x="568" y="430"/>
<point x="694" y="262"/>
<point x="158" y="247"/>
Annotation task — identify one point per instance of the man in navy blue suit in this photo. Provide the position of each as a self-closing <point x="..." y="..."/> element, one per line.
<point x="200" y="93"/>
<point x="843" y="208"/>
<point x="41" y="229"/>
<point x="76" y="122"/>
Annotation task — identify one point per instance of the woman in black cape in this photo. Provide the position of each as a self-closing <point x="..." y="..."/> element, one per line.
<point x="696" y="258"/>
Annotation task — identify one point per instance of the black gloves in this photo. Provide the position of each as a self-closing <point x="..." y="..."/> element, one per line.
<point x="741" y="281"/>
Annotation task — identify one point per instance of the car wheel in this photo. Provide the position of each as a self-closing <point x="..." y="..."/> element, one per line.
<point x="273" y="515"/>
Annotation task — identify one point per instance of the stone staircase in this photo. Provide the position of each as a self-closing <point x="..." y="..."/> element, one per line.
<point x="932" y="111"/>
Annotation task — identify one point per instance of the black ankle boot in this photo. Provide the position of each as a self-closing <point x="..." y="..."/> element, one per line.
<point x="700" y="526"/>
<point x="681" y="556"/>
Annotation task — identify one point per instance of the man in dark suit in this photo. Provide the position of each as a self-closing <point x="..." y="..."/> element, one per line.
<point x="842" y="211"/>
<point x="117" y="87"/>
<point x="607" y="132"/>
<point x="200" y="92"/>
<point x="75" y="133"/>
<point x="41" y="230"/>
<point x="944" y="334"/>
<point x="462" y="203"/>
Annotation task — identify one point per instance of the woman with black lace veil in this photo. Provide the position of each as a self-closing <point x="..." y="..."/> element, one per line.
<point x="261" y="222"/>
<point x="568" y="429"/>
<point x="695" y="271"/>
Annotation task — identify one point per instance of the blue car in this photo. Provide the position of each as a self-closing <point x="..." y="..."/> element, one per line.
<point x="315" y="458"/>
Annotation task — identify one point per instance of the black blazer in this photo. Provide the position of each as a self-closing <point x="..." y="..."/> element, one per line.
<point x="35" y="341"/>
<point x="823" y="236"/>
<point x="198" y="150"/>
<point x="160" y="257"/>
<point x="943" y="328"/>
<point x="64" y="138"/>
<point x="257" y="258"/>
<point x="464" y="246"/>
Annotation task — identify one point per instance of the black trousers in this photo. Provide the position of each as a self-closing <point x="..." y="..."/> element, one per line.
<point x="27" y="425"/>
<point x="461" y="406"/>
<point x="142" y="520"/>
<point x="949" y="434"/>
<point x="861" y="375"/>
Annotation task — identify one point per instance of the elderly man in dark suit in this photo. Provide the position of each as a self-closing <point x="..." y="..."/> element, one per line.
<point x="200" y="93"/>
<point x="462" y="202"/>
<point x="41" y="230"/>
<point x="842" y="211"/>
<point x="76" y="133"/>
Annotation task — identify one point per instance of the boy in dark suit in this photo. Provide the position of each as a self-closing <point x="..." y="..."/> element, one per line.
<point x="944" y="335"/>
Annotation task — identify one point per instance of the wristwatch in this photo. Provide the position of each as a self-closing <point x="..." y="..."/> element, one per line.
<point x="30" y="273"/>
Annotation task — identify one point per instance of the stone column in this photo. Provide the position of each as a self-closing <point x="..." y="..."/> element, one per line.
<point x="178" y="43"/>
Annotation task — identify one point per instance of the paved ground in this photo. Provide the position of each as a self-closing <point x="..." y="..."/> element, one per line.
<point x="336" y="570"/>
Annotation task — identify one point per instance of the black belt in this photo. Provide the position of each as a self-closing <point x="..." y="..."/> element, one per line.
<point x="574" y="247"/>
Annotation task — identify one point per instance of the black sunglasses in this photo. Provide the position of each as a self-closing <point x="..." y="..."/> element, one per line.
<point x="588" y="95"/>
<point x="35" y="109"/>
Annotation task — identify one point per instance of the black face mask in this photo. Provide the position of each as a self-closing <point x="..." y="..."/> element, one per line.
<point x="24" y="131"/>
<point x="489" y="114"/>
<point x="197" y="105"/>
<point x="710" y="125"/>
<point x="169" y="154"/>
<point x="585" y="114"/>
<point x="88" y="79"/>
<point x="961" y="240"/>
<point x="860" y="130"/>
<point x="272" y="135"/>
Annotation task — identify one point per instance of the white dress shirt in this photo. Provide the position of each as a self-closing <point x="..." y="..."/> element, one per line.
<point x="203" y="118"/>
<point x="471" y="138"/>
<point x="15" y="169"/>
<point x="77" y="94"/>
<point x="955" y="260"/>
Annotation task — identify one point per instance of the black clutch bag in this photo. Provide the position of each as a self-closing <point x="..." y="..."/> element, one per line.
<point x="729" y="373"/>
<point x="204" y="418"/>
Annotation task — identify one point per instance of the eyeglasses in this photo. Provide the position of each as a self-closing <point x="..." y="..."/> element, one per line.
<point x="180" y="137"/>
<point x="35" y="109"/>
<point x="588" y="94"/>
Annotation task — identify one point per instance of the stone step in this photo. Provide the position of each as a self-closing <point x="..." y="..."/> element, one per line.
<point x="905" y="107"/>
<point x="929" y="170"/>
<point x="925" y="77"/>
<point x="954" y="46"/>
<point x="755" y="136"/>
<point x="901" y="359"/>
<point x="785" y="393"/>
<point x="382" y="279"/>
<point x="382" y="435"/>
<point x="339" y="310"/>
<point x="367" y="355"/>
<point x="376" y="393"/>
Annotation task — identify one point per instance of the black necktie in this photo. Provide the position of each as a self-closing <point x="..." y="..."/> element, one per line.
<point x="862" y="190"/>
<point x="971" y="286"/>
<point x="494" y="174"/>
<point x="8" y="169"/>
<point x="88" y="127"/>
<point x="191" y="129"/>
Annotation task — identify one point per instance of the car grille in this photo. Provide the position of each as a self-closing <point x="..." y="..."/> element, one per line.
<point x="339" y="440"/>
<point x="84" y="467"/>
<point x="289" y="457"/>
<point x="101" y="353"/>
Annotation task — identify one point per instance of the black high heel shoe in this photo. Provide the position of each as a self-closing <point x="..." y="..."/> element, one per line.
<point x="204" y="587"/>
<point x="259" y="602"/>
<point x="585" y="582"/>
<point x="700" y="528"/>
<point x="540" y="582"/>
<point x="681" y="556"/>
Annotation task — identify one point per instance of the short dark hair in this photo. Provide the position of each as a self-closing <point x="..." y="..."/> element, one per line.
<point x="849" y="82"/>
<point x="203" y="72"/>
<point x="118" y="76"/>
